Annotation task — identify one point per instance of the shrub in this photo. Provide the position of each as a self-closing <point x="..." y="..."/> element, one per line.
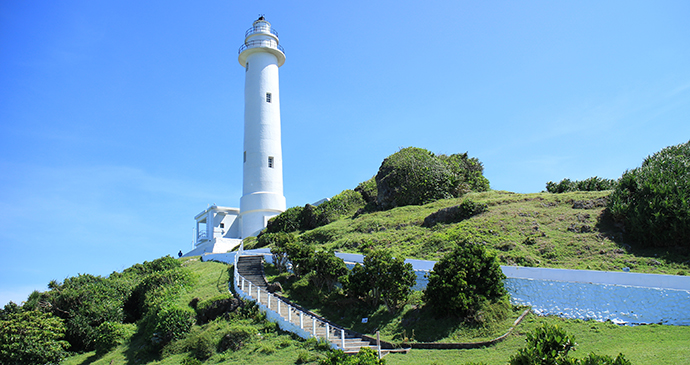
<point x="279" y="241"/>
<point x="287" y="221"/>
<point x="236" y="338"/>
<point x="172" y="323"/>
<point x="365" y="356"/>
<point x="653" y="201"/>
<point x="382" y="277"/>
<point x="413" y="176"/>
<point x="368" y="190"/>
<point x="548" y="344"/>
<point x="327" y="269"/>
<point x="463" y="279"/>
<point x="31" y="337"/>
<point x="468" y="173"/>
<point x="110" y="335"/>
<point x="591" y="184"/>
<point x="344" y="204"/>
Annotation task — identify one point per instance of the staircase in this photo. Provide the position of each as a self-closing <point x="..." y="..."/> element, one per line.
<point x="250" y="280"/>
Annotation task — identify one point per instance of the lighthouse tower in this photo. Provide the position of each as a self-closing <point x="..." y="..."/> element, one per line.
<point x="262" y="187"/>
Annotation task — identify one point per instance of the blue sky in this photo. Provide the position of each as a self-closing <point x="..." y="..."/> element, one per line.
<point x="121" y="120"/>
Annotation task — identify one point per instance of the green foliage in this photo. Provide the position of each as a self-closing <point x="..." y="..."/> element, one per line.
<point x="591" y="184"/>
<point x="327" y="269"/>
<point x="548" y="345"/>
<point x="111" y="334"/>
<point x="344" y="204"/>
<point x="172" y="323"/>
<point x="594" y="359"/>
<point x="287" y="221"/>
<point x="365" y="356"/>
<point x="83" y="302"/>
<point x="309" y="217"/>
<point x="415" y="176"/>
<point x="653" y="201"/>
<point x="382" y="277"/>
<point x="368" y="190"/>
<point x="463" y="279"/>
<point x="279" y="241"/>
<point x="468" y="173"/>
<point x="31" y="337"/>
<point x="236" y="338"/>
<point x="300" y="256"/>
<point x="157" y="289"/>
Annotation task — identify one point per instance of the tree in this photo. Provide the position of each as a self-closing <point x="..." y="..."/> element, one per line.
<point x="653" y="201"/>
<point x="463" y="279"/>
<point x="382" y="277"/>
<point x="279" y="242"/>
<point x="32" y="337"/>
<point x="327" y="269"/>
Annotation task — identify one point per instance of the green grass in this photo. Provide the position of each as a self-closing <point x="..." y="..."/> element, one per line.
<point x="540" y="230"/>
<point x="650" y="344"/>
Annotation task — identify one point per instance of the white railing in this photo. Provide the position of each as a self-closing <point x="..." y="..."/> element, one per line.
<point x="276" y="308"/>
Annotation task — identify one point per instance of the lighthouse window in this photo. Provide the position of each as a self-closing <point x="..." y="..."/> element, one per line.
<point x="270" y="162"/>
<point x="268" y="97"/>
<point x="245" y="156"/>
<point x="246" y="67"/>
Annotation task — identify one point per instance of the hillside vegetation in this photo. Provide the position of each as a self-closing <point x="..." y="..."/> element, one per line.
<point x="568" y="230"/>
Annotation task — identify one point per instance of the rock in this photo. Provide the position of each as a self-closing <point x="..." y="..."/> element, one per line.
<point x="275" y="288"/>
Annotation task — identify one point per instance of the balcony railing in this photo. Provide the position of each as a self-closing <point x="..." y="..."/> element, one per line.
<point x="260" y="29"/>
<point x="268" y="43"/>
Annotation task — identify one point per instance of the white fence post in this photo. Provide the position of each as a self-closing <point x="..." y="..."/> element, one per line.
<point x="342" y="338"/>
<point x="328" y="331"/>
<point x="313" y="326"/>
<point x="258" y="295"/>
<point x="278" y="300"/>
<point x="301" y="320"/>
<point x="269" y="301"/>
<point x="289" y="308"/>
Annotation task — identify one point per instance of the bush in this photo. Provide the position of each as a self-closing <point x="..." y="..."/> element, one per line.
<point x="236" y="338"/>
<point x="463" y="279"/>
<point x="344" y="204"/>
<point x="550" y="345"/>
<point x="468" y="173"/>
<point x="31" y="337"/>
<point x="280" y="241"/>
<point x="382" y="277"/>
<point x="547" y="345"/>
<point x="653" y="201"/>
<point x="287" y="221"/>
<point x="365" y="356"/>
<point x="413" y="176"/>
<point x="592" y="184"/>
<point x="172" y="323"/>
<point x="210" y="309"/>
<point x="327" y="269"/>
<point x="110" y="335"/>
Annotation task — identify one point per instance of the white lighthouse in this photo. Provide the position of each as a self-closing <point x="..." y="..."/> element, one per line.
<point x="262" y="187"/>
<point x="220" y="229"/>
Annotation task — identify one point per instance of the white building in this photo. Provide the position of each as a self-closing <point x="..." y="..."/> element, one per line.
<point x="219" y="229"/>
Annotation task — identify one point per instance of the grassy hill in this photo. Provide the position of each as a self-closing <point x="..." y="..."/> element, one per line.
<point x="568" y="230"/>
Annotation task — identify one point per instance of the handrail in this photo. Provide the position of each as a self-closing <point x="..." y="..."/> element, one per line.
<point x="268" y="43"/>
<point x="260" y="29"/>
<point x="241" y="285"/>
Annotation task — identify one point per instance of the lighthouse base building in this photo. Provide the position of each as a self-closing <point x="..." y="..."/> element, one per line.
<point x="220" y="229"/>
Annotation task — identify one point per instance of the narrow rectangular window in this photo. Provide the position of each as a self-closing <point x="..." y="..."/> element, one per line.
<point x="245" y="156"/>
<point x="247" y="67"/>
<point x="268" y="97"/>
<point x="222" y="225"/>
<point x="270" y="162"/>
